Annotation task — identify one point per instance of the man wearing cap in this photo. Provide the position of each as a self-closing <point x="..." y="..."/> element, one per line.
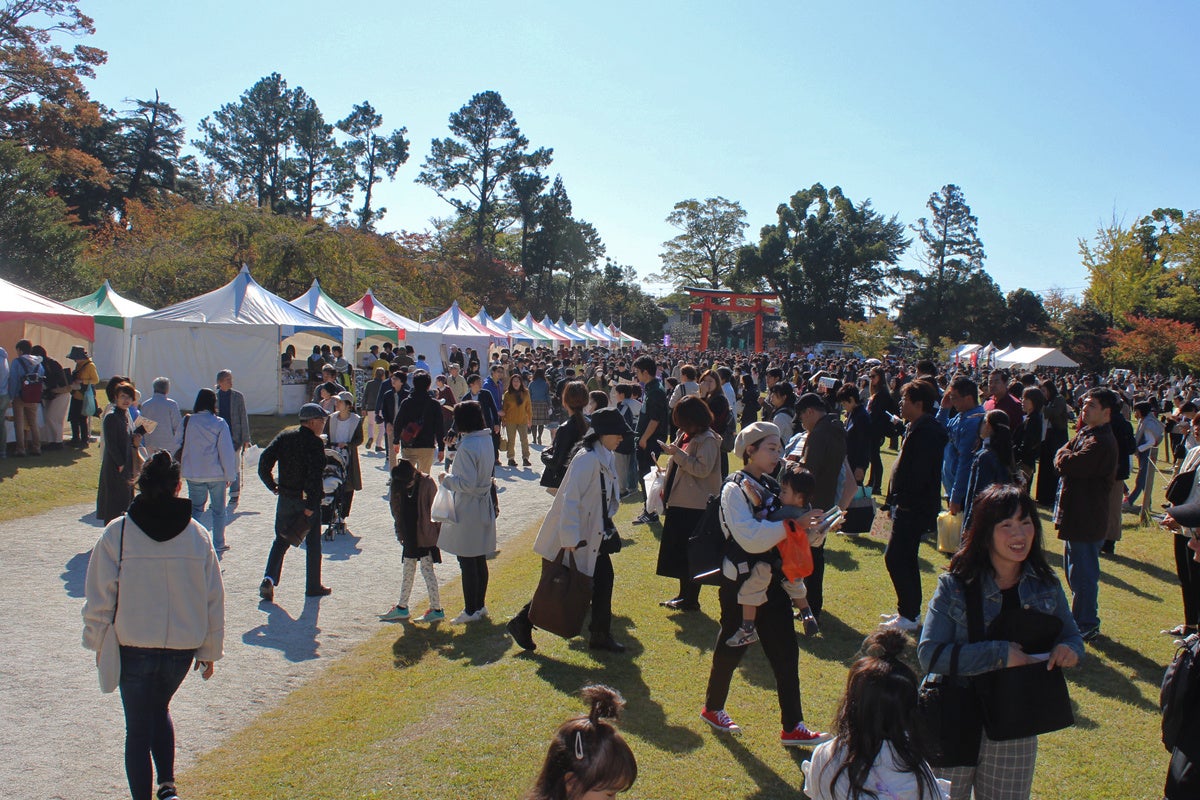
<point x="300" y="454"/>
<point x="84" y="379"/>
<point x="231" y="407"/>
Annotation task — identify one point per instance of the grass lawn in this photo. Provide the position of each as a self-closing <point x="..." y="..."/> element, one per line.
<point x="68" y="477"/>
<point x="452" y="712"/>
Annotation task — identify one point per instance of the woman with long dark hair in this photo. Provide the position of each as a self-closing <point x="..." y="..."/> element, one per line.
<point x="116" y="463"/>
<point x="875" y="752"/>
<point x="993" y="459"/>
<point x="714" y="397"/>
<point x="1003" y="558"/>
<point x="153" y="591"/>
<point x="750" y="401"/>
<point x="1027" y="438"/>
<point x="1057" y="416"/>
<point x="880" y="408"/>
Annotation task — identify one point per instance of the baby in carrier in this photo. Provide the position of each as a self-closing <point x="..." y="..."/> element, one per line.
<point x="795" y="485"/>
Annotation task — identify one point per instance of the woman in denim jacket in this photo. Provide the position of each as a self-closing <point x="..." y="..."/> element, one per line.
<point x="1003" y="551"/>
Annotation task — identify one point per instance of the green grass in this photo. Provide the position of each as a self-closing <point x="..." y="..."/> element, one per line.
<point x="448" y="712"/>
<point x="68" y="477"/>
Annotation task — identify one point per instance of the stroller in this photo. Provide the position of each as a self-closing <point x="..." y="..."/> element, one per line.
<point x="333" y="480"/>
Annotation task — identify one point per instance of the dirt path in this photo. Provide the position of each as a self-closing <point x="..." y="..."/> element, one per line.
<point x="64" y="739"/>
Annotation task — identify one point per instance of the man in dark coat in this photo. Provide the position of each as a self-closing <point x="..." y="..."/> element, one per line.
<point x="1088" y="467"/>
<point x="300" y="454"/>
<point x="823" y="453"/>
<point x="913" y="499"/>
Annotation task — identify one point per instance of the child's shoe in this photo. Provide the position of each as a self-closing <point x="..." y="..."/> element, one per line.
<point x="432" y="615"/>
<point x="395" y="615"/>
<point x="742" y="637"/>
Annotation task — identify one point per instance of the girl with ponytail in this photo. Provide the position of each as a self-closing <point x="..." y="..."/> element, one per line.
<point x="875" y="753"/>
<point x="993" y="460"/>
<point x="588" y="759"/>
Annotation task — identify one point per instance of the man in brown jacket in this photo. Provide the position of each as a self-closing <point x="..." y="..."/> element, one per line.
<point x="1088" y="467"/>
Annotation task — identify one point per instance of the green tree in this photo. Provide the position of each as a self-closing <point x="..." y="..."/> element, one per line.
<point x="561" y="243"/>
<point x="524" y="192"/>
<point x="1176" y="239"/>
<point x="373" y="156"/>
<point x="319" y="173"/>
<point x="1122" y="280"/>
<point x="706" y="249"/>
<point x="1027" y="318"/>
<point x="485" y="149"/>
<point x="951" y="253"/>
<point x="871" y="337"/>
<point x="248" y="141"/>
<point x="151" y="137"/>
<point x="39" y="243"/>
<point x="827" y="259"/>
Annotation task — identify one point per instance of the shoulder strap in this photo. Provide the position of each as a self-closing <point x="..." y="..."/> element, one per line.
<point x="120" y="558"/>
<point x="974" y="596"/>
<point x="608" y="523"/>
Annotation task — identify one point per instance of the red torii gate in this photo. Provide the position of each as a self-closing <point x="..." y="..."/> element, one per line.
<point x="710" y="302"/>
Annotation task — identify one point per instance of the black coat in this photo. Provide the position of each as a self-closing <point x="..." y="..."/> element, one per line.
<point x="916" y="483"/>
<point x="115" y="492"/>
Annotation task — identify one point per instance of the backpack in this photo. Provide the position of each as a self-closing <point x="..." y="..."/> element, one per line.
<point x="32" y="385"/>
<point x="708" y="546"/>
<point x="1178" y="696"/>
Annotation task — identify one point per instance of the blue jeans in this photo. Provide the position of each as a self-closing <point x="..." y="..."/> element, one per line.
<point x="1082" y="563"/>
<point x="199" y="492"/>
<point x="149" y="678"/>
<point x="1143" y="464"/>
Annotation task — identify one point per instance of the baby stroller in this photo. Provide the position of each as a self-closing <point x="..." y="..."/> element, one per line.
<point x="333" y="480"/>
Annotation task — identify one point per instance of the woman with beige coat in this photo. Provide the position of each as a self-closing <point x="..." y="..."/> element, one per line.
<point x="576" y="523"/>
<point x="693" y="475"/>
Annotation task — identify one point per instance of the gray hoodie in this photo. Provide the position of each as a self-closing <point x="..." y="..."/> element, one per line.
<point x="208" y="453"/>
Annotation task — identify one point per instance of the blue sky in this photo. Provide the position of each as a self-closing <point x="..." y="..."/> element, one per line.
<point x="1052" y="117"/>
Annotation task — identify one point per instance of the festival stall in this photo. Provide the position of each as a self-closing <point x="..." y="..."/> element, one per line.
<point x="561" y="328"/>
<point x="523" y="333"/>
<point x="27" y="315"/>
<point x="356" y="329"/>
<point x="113" y="315"/>
<point x="545" y="329"/>
<point x="603" y="337"/>
<point x="458" y="328"/>
<point x="491" y="326"/>
<point x="424" y="341"/>
<point x="241" y="327"/>
<point x="1036" y="357"/>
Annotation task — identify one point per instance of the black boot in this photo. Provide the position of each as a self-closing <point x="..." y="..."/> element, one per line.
<point x="605" y="641"/>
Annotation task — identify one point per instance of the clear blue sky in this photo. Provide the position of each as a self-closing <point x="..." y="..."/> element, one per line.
<point x="1052" y="117"/>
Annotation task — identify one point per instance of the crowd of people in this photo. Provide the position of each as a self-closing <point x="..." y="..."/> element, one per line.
<point x="780" y="439"/>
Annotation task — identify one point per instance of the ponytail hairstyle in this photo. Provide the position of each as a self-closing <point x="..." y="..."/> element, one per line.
<point x="880" y="705"/>
<point x="159" y="477"/>
<point x="587" y="752"/>
<point x="1001" y="442"/>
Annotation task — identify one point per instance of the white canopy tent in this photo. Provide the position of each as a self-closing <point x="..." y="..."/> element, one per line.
<point x="1037" y="357"/>
<point x="458" y="328"/>
<point x="1001" y="353"/>
<point x="355" y="327"/>
<point x="113" y="314"/>
<point x="545" y="329"/>
<point x="484" y="320"/>
<point x="604" y="336"/>
<point x="523" y="333"/>
<point x="410" y="332"/>
<point x="240" y="326"/>
<point x="563" y="330"/>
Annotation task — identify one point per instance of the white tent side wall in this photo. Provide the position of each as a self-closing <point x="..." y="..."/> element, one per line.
<point x="111" y="351"/>
<point x="192" y="354"/>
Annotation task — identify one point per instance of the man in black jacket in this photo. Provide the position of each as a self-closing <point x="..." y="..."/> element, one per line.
<point x="420" y="424"/>
<point x="914" y="499"/>
<point x="300" y="454"/>
<point x="823" y="452"/>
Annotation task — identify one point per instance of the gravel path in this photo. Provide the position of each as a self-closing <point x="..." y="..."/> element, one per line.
<point x="63" y="739"/>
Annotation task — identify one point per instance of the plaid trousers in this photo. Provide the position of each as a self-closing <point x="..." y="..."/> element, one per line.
<point x="1004" y="772"/>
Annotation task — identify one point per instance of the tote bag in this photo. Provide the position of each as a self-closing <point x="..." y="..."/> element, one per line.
<point x="442" y="509"/>
<point x="563" y="597"/>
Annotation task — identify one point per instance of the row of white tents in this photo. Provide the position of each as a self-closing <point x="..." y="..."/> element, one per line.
<point x="244" y="327"/>
<point x="990" y="355"/>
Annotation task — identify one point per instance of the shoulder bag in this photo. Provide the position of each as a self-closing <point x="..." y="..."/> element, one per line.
<point x="109" y="662"/>
<point x="563" y="597"/>
<point x="610" y="539"/>
<point x="949" y="716"/>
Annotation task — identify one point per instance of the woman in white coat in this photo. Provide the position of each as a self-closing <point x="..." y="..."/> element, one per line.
<point x="473" y="537"/>
<point x="575" y="523"/>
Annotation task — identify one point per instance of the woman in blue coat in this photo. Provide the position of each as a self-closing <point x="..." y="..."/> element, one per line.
<point x="993" y="460"/>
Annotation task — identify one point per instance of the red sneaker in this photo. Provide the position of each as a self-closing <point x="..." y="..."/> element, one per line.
<point x="720" y="720"/>
<point x="801" y="736"/>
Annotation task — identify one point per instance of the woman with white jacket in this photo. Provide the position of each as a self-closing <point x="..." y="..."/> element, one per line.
<point x="155" y="603"/>
<point x="575" y="523"/>
<point x="473" y="536"/>
<point x="208" y="461"/>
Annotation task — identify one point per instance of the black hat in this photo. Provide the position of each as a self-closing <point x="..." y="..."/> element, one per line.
<point x="312" y="411"/>
<point x="811" y="400"/>
<point x="608" y="421"/>
<point x="78" y="353"/>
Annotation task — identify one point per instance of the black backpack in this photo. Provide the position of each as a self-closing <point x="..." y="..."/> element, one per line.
<point x="709" y="546"/>
<point x="1178" y="696"/>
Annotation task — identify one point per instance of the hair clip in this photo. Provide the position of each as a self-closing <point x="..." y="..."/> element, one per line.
<point x="578" y="746"/>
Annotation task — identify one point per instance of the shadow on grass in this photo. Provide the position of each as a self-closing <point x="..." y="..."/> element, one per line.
<point x="1109" y="579"/>
<point x="295" y="638"/>
<point x="837" y="642"/>
<point x="646" y="717"/>
<point x="840" y="560"/>
<point x="1152" y="570"/>
<point x="770" y="783"/>
<point x="74" y="572"/>
<point x="479" y="643"/>
<point x="1118" y="679"/>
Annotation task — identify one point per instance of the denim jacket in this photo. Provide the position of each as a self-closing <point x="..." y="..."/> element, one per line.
<point x="946" y="621"/>
<point x="963" y="429"/>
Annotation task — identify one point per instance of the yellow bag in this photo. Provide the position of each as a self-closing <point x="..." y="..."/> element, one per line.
<point x="949" y="528"/>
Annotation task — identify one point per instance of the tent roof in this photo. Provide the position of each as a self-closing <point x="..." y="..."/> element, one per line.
<point x="561" y="327"/>
<point x="17" y="303"/>
<point x="520" y="330"/>
<point x="107" y="307"/>
<point x="1039" y="357"/>
<point x="533" y="324"/>
<point x="604" y="336"/>
<point x="965" y="350"/>
<point x="322" y="306"/>
<point x="242" y="301"/>
<point x="453" y="322"/>
<point x="493" y="327"/>
<point x="367" y="306"/>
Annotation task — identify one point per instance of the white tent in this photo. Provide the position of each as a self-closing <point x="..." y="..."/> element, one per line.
<point x="458" y="328"/>
<point x="240" y="326"/>
<point x="410" y="332"/>
<point x="522" y="333"/>
<point x="963" y="351"/>
<point x="355" y="328"/>
<point x="484" y="320"/>
<point x="545" y="329"/>
<point x="1037" y="357"/>
<point x="604" y="336"/>
<point x="112" y="314"/>
<point x="561" y="328"/>
<point x="1002" y="352"/>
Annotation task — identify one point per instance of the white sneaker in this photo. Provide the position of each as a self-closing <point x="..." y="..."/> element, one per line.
<point x="888" y="617"/>
<point x="480" y="614"/>
<point x="464" y="618"/>
<point x="903" y="624"/>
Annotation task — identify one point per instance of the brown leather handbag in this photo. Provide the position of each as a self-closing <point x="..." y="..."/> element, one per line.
<point x="563" y="597"/>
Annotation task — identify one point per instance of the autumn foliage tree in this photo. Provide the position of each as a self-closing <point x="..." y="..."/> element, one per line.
<point x="1155" y="344"/>
<point x="870" y="337"/>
